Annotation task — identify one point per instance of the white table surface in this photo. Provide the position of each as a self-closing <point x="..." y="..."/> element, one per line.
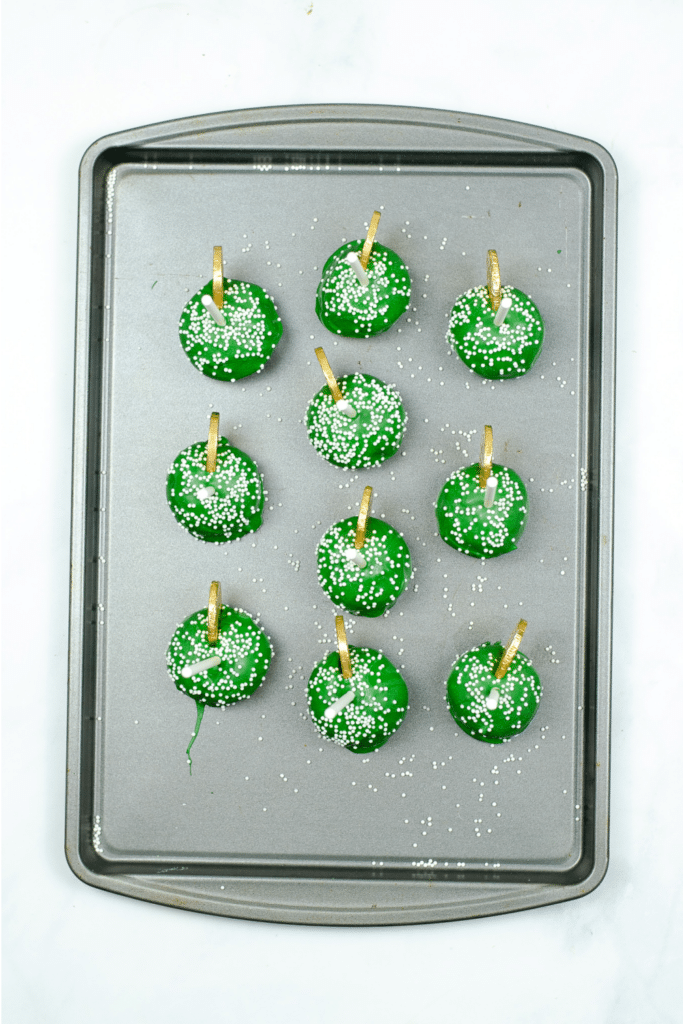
<point x="79" y="69"/>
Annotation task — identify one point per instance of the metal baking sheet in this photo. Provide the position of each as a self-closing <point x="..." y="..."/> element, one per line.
<point x="274" y="823"/>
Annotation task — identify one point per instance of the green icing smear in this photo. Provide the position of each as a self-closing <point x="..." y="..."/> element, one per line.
<point x="371" y="437"/>
<point x="253" y="329"/>
<point x="345" y="307"/>
<point x="497" y="353"/>
<point x="471" y="681"/>
<point x="376" y="587"/>
<point x="378" y="707"/>
<point x="245" y="652"/>
<point x="235" y="508"/>
<point x="468" y="526"/>
<point x="200" y="714"/>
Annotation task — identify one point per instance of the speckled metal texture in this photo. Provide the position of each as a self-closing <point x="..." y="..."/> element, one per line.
<point x="275" y="823"/>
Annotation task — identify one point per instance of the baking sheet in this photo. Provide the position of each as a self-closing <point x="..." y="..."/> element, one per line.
<point x="267" y="795"/>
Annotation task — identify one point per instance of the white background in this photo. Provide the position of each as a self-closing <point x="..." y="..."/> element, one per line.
<point x="79" y="69"/>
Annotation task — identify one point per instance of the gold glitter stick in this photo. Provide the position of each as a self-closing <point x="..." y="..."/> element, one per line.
<point x="485" y="456"/>
<point x="340" y="401"/>
<point x="218" y="275"/>
<point x="212" y="445"/>
<point x="215" y="605"/>
<point x="493" y="278"/>
<point x="369" y="240"/>
<point x="511" y="649"/>
<point x="329" y="376"/>
<point x="362" y="524"/>
<point x="343" y="646"/>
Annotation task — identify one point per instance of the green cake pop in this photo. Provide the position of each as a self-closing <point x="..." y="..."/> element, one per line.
<point x="217" y="656"/>
<point x="356" y="421"/>
<point x="363" y="564"/>
<point x="497" y="331"/>
<point x="215" y="491"/>
<point x="494" y="691"/>
<point x="482" y="508"/>
<point x="229" y="328"/>
<point x="357" y="698"/>
<point x="364" y="288"/>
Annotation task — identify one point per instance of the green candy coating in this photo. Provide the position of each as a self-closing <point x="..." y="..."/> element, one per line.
<point x="370" y="590"/>
<point x="371" y="437"/>
<point x="242" y="645"/>
<point x="468" y="526"/>
<point x="497" y="353"/>
<point x="471" y="681"/>
<point x="233" y="511"/>
<point x="345" y="307"/>
<point x="253" y="329"/>
<point x="377" y="709"/>
<point x="245" y="652"/>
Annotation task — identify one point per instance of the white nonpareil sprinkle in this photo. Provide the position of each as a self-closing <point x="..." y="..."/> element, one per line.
<point x="211" y="307"/>
<point x="200" y="666"/>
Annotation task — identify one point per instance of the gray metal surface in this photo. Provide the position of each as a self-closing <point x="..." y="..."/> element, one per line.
<point x="274" y="823"/>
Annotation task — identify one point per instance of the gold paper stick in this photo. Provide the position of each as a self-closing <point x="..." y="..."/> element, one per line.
<point x="493" y="278"/>
<point x="369" y="240"/>
<point x="485" y="456"/>
<point x="212" y="445"/>
<point x="363" y="515"/>
<point x="343" y="646"/>
<point x="329" y="376"/>
<point x="215" y="605"/>
<point x="218" y="275"/>
<point x="511" y="649"/>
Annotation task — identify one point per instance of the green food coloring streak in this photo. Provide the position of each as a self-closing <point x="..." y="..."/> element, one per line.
<point x="200" y="714"/>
